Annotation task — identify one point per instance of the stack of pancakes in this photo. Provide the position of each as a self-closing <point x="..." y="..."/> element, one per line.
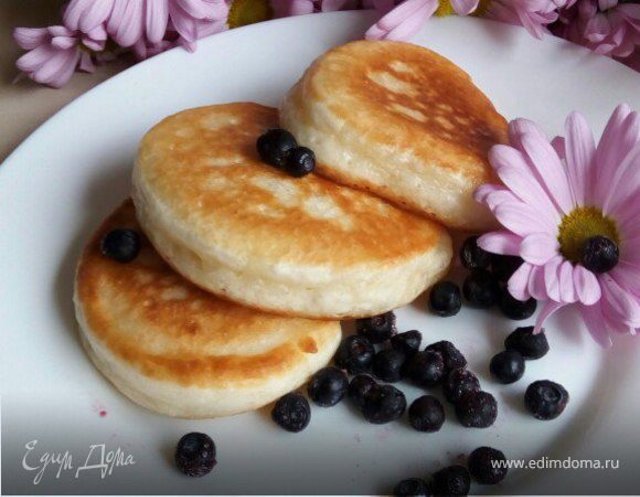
<point x="244" y="272"/>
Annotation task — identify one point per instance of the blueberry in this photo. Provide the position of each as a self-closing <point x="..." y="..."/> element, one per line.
<point x="387" y="365"/>
<point x="195" y="454"/>
<point x="452" y="357"/>
<point x="407" y="342"/>
<point x="122" y="245"/>
<point x="444" y="299"/>
<point x="359" y="387"/>
<point x="546" y="399"/>
<point x="328" y="386"/>
<point x="600" y="254"/>
<point x="507" y="366"/>
<point x="458" y="382"/>
<point x="426" y="414"/>
<point x="383" y="404"/>
<point x="487" y="465"/>
<point x="481" y="289"/>
<point x="477" y="409"/>
<point x="472" y="256"/>
<point x="292" y="412"/>
<point x="300" y="162"/>
<point x="274" y="147"/>
<point x="355" y="354"/>
<point x="452" y="480"/>
<point x="503" y="266"/>
<point x="412" y="487"/>
<point x="529" y="345"/>
<point x="377" y="328"/>
<point x="426" y="368"/>
<point x="516" y="309"/>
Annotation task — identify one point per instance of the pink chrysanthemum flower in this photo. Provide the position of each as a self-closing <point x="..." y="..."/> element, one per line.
<point x="570" y="209"/>
<point x="608" y="27"/>
<point x="143" y="24"/>
<point x="533" y="15"/>
<point x="55" y="52"/>
<point x="405" y="20"/>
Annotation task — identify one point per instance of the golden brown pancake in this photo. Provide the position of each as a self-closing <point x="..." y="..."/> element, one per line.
<point x="401" y="121"/>
<point x="251" y="233"/>
<point x="181" y="351"/>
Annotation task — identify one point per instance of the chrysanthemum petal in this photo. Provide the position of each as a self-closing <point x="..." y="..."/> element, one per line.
<point x="302" y="7"/>
<point x="522" y="219"/>
<point x="628" y="277"/>
<point x="539" y="248"/>
<point x="500" y="196"/>
<point x="548" y="308"/>
<point x="183" y="23"/>
<point x="30" y="38"/>
<point x="483" y="191"/>
<point x="500" y="242"/>
<point x="196" y="9"/>
<point x="626" y="214"/>
<point x="580" y="151"/>
<point x="549" y="169"/>
<point x="595" y="323"/>
<point x="86" y="63"/>
<point x="619" y="136"/>
<point x="156" y="20"/>
<point x="626" y="309"/>
<point x="536" y="286"/>
<point x="58" y="70"/>
<point x="413" y="24"/>
<point x="403" y="21"/>
<point x="98" y="34"/>
<point x="586" y="284"/>
<point x="625" y="182"/>
<point x="518" y="283"/>
<point x="513" y="170"/>
<point x="63" y="42"/>
<point x="402" y="12"/>
<point x="551" y="277"/>
<point x="567" y="286"/>
<point x="85" y="15"/>
<point x="520" y="127"/>
<point x="60" y="31"/>
<point x="126" y="23"/>
<point x="34" y="59"/>
<point x="464" y="7"/>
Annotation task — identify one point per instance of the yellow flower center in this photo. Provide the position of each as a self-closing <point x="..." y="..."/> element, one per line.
<point x="581" y="224"/>
<point x="243" y="12"/>
<point x="446" y="9"/>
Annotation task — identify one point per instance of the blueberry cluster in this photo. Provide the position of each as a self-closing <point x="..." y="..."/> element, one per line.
<point x="484" y="286"/>
<point x="279" y="148"/>
<point x="508" y="366"/>
<point x="378" y="355"/>
<point x="544" y="399"/>
<point x="485" y="465"/>
<point x="399" y="357"/>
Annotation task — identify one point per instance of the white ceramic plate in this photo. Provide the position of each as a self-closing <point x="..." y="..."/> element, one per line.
<point x="62" y="181"/>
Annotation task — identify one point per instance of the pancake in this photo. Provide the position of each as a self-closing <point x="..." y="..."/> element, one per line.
<point x="401" y="121"/>
<point x="178" y="350"/>
<point x="249" y="232"/>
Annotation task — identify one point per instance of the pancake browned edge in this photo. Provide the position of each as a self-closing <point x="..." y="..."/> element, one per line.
<point x="401" y="121"/>
<point x="249" y="232"/>
<point x="177" y="350"/>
